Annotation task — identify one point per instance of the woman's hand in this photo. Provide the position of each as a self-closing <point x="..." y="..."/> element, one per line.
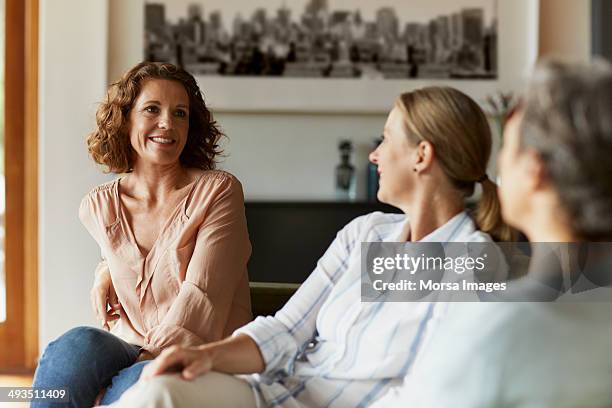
<point x="233" y="355"/>
<point x="103" y="297"/>
<point x="191" y="362"/>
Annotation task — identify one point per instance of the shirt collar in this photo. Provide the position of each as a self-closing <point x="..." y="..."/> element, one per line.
<point x="453" y="229"/>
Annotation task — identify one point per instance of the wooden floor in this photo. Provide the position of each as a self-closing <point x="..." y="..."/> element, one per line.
<point x="15" y="380"/>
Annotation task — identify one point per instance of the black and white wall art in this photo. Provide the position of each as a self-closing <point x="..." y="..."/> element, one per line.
<point x="393" y="39"/>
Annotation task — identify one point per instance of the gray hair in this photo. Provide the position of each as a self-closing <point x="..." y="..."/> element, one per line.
<point x="568" y="120"/>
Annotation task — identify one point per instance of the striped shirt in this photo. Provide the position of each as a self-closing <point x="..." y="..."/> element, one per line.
<point x="325" y="347"/>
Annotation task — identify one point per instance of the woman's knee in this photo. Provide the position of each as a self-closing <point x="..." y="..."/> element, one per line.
<point x="84" y="339"/>
<point x="84" y="335"/>
<point x="210" y="390"/>
<point x="86" y="349"/>
<point x="160" y="391"/>
<point x="75" y="342"/>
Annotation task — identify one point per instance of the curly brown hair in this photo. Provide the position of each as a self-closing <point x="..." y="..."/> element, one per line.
<point x="109" y="144"/>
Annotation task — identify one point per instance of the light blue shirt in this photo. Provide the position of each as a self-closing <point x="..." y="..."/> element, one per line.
<point x="527" y="355"/>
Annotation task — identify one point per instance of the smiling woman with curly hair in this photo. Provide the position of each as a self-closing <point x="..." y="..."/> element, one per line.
<point x="109" y="144"/>
<point x="172" y="233"/>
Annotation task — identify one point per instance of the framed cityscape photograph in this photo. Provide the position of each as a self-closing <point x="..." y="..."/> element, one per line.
<point x="340" y="55"/>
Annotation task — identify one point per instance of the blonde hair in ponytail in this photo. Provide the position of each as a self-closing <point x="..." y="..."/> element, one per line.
<point x="488" y="214"/>
<point x="460" y="133"/>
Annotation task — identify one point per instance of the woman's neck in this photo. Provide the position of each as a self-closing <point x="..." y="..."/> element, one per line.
<point x="549" y="228"/>
<point x="428" y="211"/>
<point x="547" y="221"/>
<point x="155" y="183"/>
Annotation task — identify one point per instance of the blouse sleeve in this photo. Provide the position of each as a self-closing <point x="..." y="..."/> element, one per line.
<point x="87" y="217"/>
<point x="218" y="265"/>
<point x="90" y="214"/>
<point x="282" y="337"/>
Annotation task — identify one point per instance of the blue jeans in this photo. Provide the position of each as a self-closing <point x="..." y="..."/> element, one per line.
<point x="85" y="360"/>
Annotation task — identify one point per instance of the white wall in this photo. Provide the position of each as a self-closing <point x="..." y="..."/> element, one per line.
<point x="293" y="156"/>
<point x="73" y="64"/>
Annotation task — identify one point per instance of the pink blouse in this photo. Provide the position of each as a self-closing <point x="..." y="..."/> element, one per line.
<point x="192" y="287"/>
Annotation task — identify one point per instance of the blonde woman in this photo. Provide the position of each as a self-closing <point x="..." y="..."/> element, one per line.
<point x="326" y="347"/>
